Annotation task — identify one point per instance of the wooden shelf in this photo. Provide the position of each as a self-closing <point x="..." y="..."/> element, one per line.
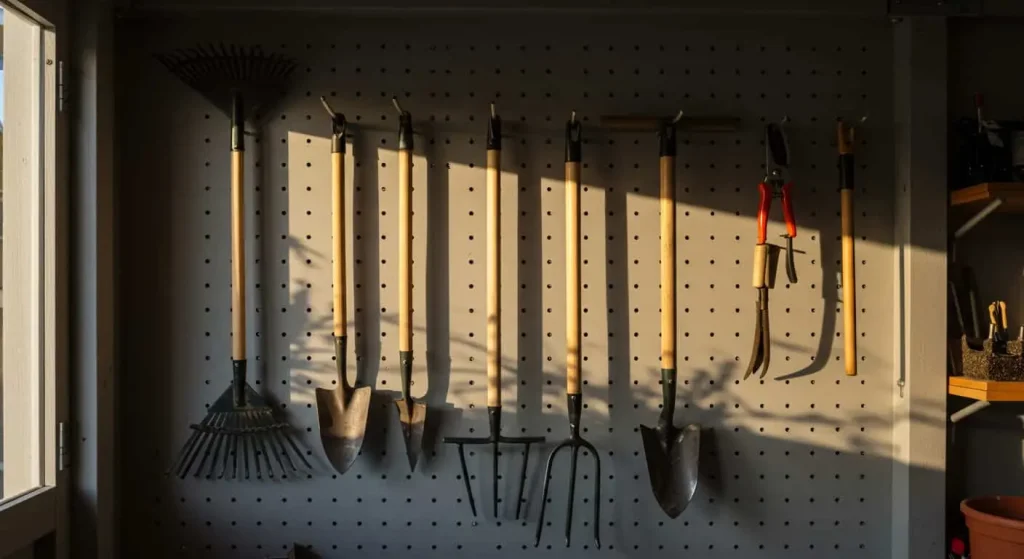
<point x="1011" y="193"/>
<point x="987" y="390"/>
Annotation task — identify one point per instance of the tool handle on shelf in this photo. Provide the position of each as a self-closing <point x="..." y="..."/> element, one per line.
<point x="405" y="233"/>
<point x="573" y="154"/>
<point x="760" y="265"/>
<point x="1002" y="314"/>
<point x="763" y="207"/>
<point x="667" y="200"/>
<point x="339" y="249"/>
<point x="493" y="270"/>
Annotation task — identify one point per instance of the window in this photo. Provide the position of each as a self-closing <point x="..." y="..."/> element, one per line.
<point x="29" y="271"/>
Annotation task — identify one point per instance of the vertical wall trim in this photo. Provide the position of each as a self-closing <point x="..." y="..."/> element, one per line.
<point x="919" y="436"/>
<point x="95" y="497"/>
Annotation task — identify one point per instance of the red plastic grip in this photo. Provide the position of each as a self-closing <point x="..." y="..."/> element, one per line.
<point x="787" y="210"/>
<point x="762" y="212"/>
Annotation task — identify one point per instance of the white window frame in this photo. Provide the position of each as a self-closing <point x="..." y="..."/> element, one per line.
<point x="34" y="234"/>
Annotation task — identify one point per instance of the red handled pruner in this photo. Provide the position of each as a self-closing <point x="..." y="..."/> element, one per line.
<point x="777" y="184"/>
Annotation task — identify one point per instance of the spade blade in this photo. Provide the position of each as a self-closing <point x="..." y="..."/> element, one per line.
<point x="342" y="420"/>
<point x="672" y="464"/>
<point x="412" y="415"/>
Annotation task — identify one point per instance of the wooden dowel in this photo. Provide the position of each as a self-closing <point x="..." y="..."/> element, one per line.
<point x="760" y="265"/>
<point x="668" y="262"/>
<point x="572" y="277"/>
<point x="849" y="284"/>
<point x="493" y="278"/>
<point x="404" y="250"/>
<point x="339" y="252"/>
<point x="237" y="255"/>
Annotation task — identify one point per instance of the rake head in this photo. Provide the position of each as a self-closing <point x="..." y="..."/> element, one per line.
<point x="220" y="72"/>
<point x="574" y="443"/>
<point x="495" y="438"/>
<point x="232" y="438"/>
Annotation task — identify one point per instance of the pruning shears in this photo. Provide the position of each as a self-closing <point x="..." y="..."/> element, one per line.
<point x="777" y="184"/>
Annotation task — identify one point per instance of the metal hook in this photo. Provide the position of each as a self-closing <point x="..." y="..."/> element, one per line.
<point x="785" y="119"/>
<point x="678" y="117"/>
<point x="394" y="101"/>
<point x="572" y="117"/>
<point x="327" y="106"/>
<point x="494" y="113"/>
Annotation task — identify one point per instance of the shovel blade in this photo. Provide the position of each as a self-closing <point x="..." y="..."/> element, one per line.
<point x="672" y="464"/>
<point x="342" y="420"/>
<point x="412" y="415"/>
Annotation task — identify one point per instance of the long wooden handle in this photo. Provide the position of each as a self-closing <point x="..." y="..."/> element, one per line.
<point x="572" y="277"/>
<point x="237" y="255"/>
<point x="668" y="262"/>
<point x="493" y="278"/>
<point x="849" y="284"/>
<point x="845" y="144"/>
<point x="339" y="249"/>
<point x="404" y="250"/>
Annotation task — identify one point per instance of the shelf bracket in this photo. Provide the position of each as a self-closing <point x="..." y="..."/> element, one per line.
<point x="976" y="219"/>
<point x="969" y="411"/>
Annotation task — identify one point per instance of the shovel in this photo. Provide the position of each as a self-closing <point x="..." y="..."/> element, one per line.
<point x="342" y="411"/>
<point x="672" y="454"/>
<point x="411" y="414"/>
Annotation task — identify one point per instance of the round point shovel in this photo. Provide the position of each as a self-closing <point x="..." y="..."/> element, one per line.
<point x="342" y="412"/>
<point x="672" y="454"/>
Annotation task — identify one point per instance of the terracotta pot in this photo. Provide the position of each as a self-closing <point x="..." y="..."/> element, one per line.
<point x="996" y="526"/>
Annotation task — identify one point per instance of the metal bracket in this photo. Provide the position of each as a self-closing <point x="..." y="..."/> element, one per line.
<point x="976" y="218"/>
<point x="969" y="411"/>
<point x="63" y="450"/>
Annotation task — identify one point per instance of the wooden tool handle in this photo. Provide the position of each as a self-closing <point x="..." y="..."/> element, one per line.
<point x="493" y="278"/>
<point x="338" y="238"/>
<point x="760" y="265"/>
<point x="849" y="284"/>
<point x="404" y="250"/>
<point x="668" y="262"/>
<point x="1002" y="314"/>
<point x="238" y="255"/>
<point x="572" y="277"/>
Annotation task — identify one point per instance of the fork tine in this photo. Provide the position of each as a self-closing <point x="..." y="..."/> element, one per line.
<point x="465" y="479"/>
<point x="572" y="493"/>
<point x="522" y="481"/>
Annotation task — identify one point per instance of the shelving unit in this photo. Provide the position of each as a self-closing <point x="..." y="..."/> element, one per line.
<point x="1004" y="197"/>
<point x="984" y="392"/>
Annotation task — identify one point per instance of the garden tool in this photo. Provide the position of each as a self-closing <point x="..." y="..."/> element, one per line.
<point x="243" y="83"/>
<point x="574" y="395"/>
<point x="494" y="331"/>
<point x="672" y="454"/>
<point x="342" y="411"/>
<point x="412" y="414"/>
<point x="846" y="176"/>
<point x="775" y="184"/>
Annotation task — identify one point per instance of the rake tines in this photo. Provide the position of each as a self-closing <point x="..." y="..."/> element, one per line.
<point x="495" y="438"/>
<point x="219" y="71"/>
<point x="251" y="432"/>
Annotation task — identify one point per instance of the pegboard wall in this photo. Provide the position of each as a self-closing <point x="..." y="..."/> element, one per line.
<point x="795" y="465"/>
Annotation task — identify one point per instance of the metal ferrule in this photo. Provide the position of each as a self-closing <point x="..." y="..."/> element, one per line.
<point x="238" y="382"/>
<point x="338" y="126"/>
<point x="494" y="420"/>
<point x="237" y="122"/>
<point x="405" y="131"/>
<point x="405" y="366"/>
<point x="573" y="141"/>
<point x="846" y="167"/>
<point x="340" y="354"/>
<point x="575" y="405"/>
<point x="668" y="395"/>
<point x="667" y="139"/>
<point x="494" y="133"/>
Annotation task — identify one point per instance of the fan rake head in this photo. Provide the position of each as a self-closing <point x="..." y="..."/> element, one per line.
<point x="221" y="72"/>
<point x="239" y="441"/>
